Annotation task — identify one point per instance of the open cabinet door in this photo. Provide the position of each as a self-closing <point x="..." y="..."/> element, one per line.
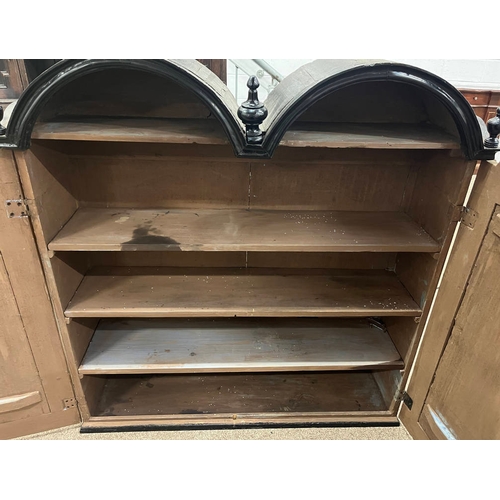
<point x="455" y="386"/>
<point x="36" y="393"/>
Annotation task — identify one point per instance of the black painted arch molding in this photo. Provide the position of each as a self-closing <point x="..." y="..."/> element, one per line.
<point x="310" y="83"/>
<point x="33" y="99"/>
<point x="347" y="73"/>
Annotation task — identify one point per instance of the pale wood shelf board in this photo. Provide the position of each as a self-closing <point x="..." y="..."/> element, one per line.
<point x="258" y="345"/>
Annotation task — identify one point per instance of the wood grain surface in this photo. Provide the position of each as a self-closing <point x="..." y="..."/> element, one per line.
<point x="201" y="346"/>
<point x="181" y="292"/>
<point x="241" y="230"/>
<point x="196" y="395"/>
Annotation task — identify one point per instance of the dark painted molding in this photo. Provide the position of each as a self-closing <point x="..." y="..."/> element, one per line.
<point x="31" y="102"/>
<point x="463" y="115"/>
<point x="209" y="427"/>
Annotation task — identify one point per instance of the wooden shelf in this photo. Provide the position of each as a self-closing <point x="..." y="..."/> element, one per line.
<point x="96" y="229"/>
<point x="177" y="131"/>
<point x="241" y="394"/>
<point x="181" y="292"/>
<point x="209" y="131"/>
<point x="369" y="136"/>
<point x="194" y="346"/>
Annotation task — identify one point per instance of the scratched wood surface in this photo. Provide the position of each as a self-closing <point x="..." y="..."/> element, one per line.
<point x="240" y="393"/>
<point x="171" y="292"/>
<point x="466" y="401"/>
<point x="205" y="131"/>
<point x="242" y="230"/>
<point x="20" y="384"/>
<point x="194" y="346"/>
<point x="368" y="135"/>
<point x="177" y="131"/>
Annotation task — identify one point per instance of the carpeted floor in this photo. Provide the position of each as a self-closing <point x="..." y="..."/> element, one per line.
<point x="338" y="433"/>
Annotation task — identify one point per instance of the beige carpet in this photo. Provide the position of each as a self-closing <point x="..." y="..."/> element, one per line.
<point x="356" y="433"/>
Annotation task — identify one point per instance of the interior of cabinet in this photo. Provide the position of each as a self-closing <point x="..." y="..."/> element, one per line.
<point x="193" y="283"/>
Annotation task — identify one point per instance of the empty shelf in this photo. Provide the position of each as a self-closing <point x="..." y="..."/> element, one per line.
<point x="202" y="346"/>
<point x="95" y="229"/>
<point x="178" y="131"/>
<point x="209" y="131"/>
<point x="208" y="292"/>
<point x="369" y="136"/>
<point x="241" y="394"/>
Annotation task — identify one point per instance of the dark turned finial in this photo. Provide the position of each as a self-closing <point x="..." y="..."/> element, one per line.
<point x="493" y="127"/>
<point x="3" y="130"/>
<point x="252" y="112"/>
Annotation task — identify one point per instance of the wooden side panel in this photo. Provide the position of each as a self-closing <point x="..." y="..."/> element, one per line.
<point x="24" y="271"/>
<point x="485" y="195"/>
<point x="440" y="186"/>
<point x="69" y="270"/>
<point x="388" y="382"/>
<point x="403" y="334"/>
<point x="416" y="272"/>
<point x="49" y="173"/>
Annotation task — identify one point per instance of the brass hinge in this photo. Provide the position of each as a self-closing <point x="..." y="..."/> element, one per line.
<point x="405" y="397"/>
<point x="70" y="403"/>
<point x="16" y="209"/>
<point x="468" y="217"/>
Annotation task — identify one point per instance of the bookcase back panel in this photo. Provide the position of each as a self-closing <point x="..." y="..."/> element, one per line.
<point x="301" y="260"/>
<point x="172" y="182"/>
<point x="329" y="186"/>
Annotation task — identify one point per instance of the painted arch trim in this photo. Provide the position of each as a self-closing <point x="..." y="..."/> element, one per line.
<point x="189" y="73"/>
<point x="286" y="103"/>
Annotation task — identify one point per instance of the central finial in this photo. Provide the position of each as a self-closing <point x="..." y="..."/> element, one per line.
<point x="252" y="112"/>
<point x="493" y="126"/>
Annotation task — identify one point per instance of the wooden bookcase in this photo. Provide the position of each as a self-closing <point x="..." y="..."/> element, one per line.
<point x="203" y="279"/>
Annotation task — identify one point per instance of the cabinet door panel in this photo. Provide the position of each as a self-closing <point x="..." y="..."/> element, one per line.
<point x="465" y="395"/>
<point x="455" y="385"/>
<point x="20" y="387"/>
<point x="34" y="379"/>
